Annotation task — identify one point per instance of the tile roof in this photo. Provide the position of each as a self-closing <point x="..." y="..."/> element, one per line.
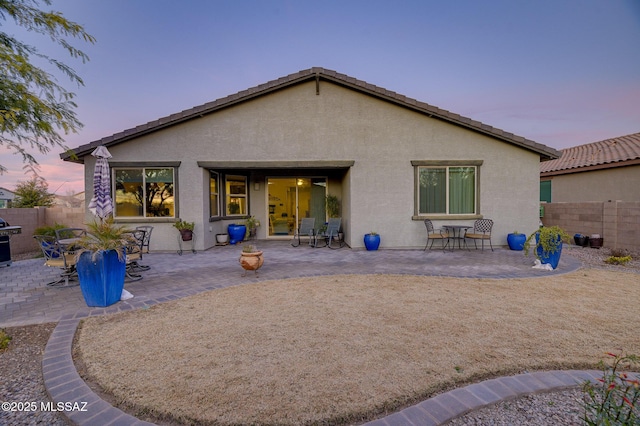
<point x="614" y="152"/>
<point x="317" y="74"/>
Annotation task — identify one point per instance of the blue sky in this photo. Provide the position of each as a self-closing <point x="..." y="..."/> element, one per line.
<point x="559" y="72"/>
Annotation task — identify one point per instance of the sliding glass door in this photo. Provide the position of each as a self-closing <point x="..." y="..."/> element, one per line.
<point x="294" y="198"/>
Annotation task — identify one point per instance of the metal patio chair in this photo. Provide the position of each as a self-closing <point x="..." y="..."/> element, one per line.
<point x="306" y="229"/>
<point x="134" y="255"/>
<point x="56" y="256"/>
<point x="147" y="236"/>
<point x="435" y="234"/>
<point x="331" y="235"/>
<point x="481" y="231"/>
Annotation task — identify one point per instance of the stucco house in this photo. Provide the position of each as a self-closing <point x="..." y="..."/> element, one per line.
<point x="276" y="150"/>
<point x="598" y="171"/>
<point x="6" y="197"/>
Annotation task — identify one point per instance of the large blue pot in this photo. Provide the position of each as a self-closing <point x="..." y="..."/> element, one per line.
<point x="516" y="241"/>
<point x="102" y="279"/>
<point x="545" y="257"/>
<point x="372" y="242"/>
<point x="236" y="233"/>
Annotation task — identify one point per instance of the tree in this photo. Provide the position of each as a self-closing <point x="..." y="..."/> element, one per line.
<point x="32" y="193"/>
<point x="34" y="108"/>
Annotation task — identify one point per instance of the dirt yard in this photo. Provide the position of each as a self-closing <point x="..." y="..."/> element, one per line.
<point x="341" y="349"/>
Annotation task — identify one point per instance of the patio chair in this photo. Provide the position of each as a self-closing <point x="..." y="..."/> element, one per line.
<point x="134" y="255"/>
<point x="330" y="235"/>
<point x="306" y="229"/>
<point x="435" y="234"/>
<point x="481" y="231"/>
<point x="55" y="256"/>
<point x="147" y="236"/>
<point x="66" y="237"/>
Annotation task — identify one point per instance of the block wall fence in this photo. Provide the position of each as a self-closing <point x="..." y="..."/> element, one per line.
<point x="30" y="219"/>
<point x="617" y="222"/>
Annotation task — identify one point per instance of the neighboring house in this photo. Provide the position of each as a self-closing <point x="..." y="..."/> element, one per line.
<point x="274" y="151"/>
<point x="598" y="171"/>
<point x="6" y="198"/>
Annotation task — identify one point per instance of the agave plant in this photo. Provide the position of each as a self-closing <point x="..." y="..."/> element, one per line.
<point x="105" y="235"/>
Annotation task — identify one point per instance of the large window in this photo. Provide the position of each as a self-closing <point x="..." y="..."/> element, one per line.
<point x="214" y="195"/>
<point x="236" y="195"/>
<point x="447" y="190"/>
<point x="144" y="192"/>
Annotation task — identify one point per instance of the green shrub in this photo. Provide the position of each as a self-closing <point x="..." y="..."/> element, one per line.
<point x="49" y="230"/>
<point x="4" y="339"/>
<point x="616" y="260"/>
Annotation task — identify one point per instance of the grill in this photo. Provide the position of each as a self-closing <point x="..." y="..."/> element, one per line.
<point x="6" y="231"/>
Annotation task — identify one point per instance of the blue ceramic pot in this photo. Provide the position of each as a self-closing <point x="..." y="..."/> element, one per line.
<point x="236" y="233"/>
<point x="551" y="258"/>
<point x="102" y="279"/>
<point x="372" y="242"/>
<point x="516" y="241"/>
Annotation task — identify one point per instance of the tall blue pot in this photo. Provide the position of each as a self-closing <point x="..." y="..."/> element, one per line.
<point x="102" y="279"/>
<point x="551" y="258"/>
<point x="372" y="242"/>
<point x="236" y="233"/>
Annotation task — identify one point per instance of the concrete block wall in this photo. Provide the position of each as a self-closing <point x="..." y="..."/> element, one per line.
<point x="30" y="219"/>
<point x="617" y="222"/>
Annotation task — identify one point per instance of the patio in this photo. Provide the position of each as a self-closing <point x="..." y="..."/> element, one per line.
<point x="25" y="298"/>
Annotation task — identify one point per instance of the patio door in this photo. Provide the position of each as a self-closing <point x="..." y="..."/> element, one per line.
<point x="294" y="198"/>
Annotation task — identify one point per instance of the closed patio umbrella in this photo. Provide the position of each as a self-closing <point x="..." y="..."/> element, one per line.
<point x="101" y="204"/>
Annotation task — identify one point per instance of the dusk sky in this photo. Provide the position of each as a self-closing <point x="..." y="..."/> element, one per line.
<point x="559" y="72"/>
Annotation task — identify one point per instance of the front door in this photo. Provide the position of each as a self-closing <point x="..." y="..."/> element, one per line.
<point x="294" y="198"/>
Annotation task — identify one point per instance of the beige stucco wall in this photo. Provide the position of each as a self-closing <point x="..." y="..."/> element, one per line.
<point x="622" y="183"/>
<point x="382" y="139"/>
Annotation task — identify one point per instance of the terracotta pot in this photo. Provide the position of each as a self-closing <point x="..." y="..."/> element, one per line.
<point x="251" y="261"/>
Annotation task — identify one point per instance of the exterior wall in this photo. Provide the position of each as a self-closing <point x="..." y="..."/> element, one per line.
<point x="617" y="222"/>
<point x="30" y="219"/>
<point x="622" y="183"/>
<point x="382" y="139"/>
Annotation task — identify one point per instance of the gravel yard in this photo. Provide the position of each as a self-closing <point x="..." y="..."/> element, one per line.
<point x="20" y="370"/>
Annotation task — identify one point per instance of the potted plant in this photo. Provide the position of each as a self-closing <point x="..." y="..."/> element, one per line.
<point x="237" y="232"/>
<point x="101" y="262"/>
<point x="333" y="206"/>
<point x="251" y="259"/>
<point x="372" y="241"/>
<point x="516" y="240"/>
<point x="185" y="228"/>
<point x="548" y="244"/>
<point x="252" y="224"/>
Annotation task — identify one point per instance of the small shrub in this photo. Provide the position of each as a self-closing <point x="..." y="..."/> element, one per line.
<point x="4" y="339"/>
<point x="615" y="398"/>
<point x="49" y="230"/>
<point x="249" y="248"/>
<point x="617" y="260"/>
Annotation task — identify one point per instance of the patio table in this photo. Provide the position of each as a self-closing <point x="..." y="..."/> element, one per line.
<point x="455" y="234"/>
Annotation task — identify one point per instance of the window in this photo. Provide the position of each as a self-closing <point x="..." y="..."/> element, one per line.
<point x="448" y="190"/>
<point x="144" y="192"/>
<point x="236" y="195"/>
<point x="545" y="190"/>
<point x="214" y="201"/>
